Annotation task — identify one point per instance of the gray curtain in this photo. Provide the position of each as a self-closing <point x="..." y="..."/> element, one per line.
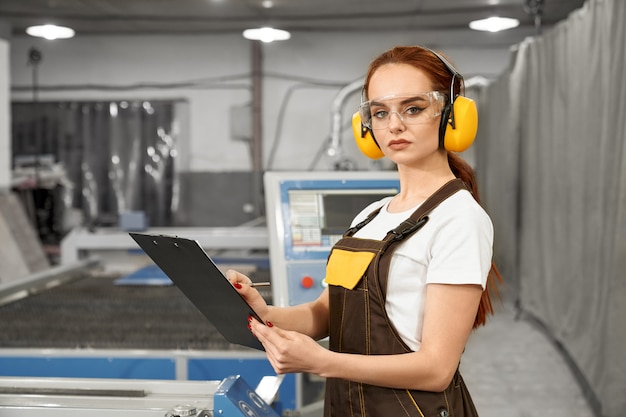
<point x="552" y="166"/>
<point x="119" y="155"/>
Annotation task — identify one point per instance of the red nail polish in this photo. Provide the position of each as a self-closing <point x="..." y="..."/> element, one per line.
<point x="249" y="319"/>
<point x="269" y="324"/>
<point x="237" y="285"/>
<point x="249" y="326"/>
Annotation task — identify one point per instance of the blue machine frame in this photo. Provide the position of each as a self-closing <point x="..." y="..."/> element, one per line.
<point x="148" y="365"/>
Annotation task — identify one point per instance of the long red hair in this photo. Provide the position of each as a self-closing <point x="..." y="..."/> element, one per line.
<point x="464" y="171"/>
<point x="441" y="77"/>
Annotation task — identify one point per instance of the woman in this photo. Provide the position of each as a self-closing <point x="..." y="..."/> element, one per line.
<point x="400" y="315"/>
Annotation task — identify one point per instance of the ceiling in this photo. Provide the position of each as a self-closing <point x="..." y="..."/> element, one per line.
<point x="222" y="16"/>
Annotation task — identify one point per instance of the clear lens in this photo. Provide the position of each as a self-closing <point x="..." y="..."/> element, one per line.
<point x="411" y="109"/>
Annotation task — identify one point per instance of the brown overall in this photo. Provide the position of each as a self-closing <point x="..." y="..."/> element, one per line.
<point x="359" y="324"/>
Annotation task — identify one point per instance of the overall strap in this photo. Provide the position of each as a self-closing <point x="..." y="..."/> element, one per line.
<point x="411" y="225"/>
<point x="420" y="215"/>
<point x="351" y="231"/>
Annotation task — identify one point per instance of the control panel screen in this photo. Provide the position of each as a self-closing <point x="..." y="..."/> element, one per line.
<point x="317" y="218"/>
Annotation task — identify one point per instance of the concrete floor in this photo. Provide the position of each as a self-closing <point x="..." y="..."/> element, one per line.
<point x="512" y="369"/>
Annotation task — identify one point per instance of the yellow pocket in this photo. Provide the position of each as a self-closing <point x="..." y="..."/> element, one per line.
<point x="346" y="268"/>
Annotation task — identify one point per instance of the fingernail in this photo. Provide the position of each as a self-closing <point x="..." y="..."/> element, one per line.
<point x="249" y="319"/>
<point x="237" y="285"/>
<point x="269" y="324"/>
<point x="249" y="326"/>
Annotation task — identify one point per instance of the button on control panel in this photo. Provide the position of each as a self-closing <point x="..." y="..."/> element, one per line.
<point x="305" y="281"/>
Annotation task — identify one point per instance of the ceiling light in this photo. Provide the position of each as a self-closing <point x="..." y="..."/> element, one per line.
<point x="266" y="34"/>
<point x="50" y="32"/>
<point x="494" y="24"/>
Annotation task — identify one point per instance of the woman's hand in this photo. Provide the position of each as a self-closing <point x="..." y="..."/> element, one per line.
<point x="251" y="295"/>
<point x="289" y="351"/>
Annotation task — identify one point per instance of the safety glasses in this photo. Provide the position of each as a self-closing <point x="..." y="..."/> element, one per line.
<point x="411" y="109"/>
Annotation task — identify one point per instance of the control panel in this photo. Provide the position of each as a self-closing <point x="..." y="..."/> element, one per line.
<point x="307" y="213"/>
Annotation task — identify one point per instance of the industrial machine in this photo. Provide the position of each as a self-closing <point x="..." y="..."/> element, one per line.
<point x="51" y="397"/>
<point x="72" y="333"/>
<point x="307" y="212"/>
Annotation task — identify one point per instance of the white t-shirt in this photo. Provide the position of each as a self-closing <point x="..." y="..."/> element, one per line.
<point x="453" y="247"/>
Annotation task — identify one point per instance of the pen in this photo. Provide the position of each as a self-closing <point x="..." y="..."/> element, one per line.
<point x="260" y="284"/>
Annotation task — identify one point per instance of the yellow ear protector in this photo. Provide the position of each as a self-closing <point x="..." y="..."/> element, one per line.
<point x="459" y="119"/>
<point x="459" y="122"/>
<point x="365" y="139"/>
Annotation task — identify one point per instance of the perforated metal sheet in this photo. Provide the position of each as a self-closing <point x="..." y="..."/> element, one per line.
<point x="94" y="312"/>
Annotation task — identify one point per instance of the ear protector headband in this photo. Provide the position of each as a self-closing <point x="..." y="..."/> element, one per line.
<point x="457" y="131"/>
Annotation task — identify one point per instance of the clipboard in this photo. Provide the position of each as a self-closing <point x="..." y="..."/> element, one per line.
<point x="191" y="269"/>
